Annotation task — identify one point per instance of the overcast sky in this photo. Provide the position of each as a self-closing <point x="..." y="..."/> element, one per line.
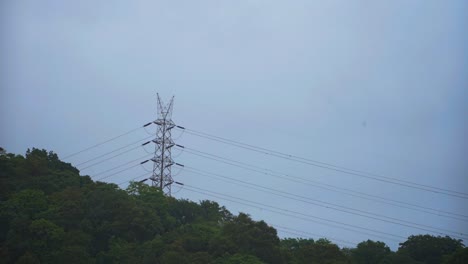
<point x="378" y="86"/>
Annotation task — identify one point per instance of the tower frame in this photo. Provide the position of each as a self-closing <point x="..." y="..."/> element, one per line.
<point x="162" y="160"/>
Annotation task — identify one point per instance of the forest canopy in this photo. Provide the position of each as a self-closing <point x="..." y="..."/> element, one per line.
<point x="51" y="214"/>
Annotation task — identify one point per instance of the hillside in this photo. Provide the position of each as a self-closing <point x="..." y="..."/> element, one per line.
<point x="51" y="214"/>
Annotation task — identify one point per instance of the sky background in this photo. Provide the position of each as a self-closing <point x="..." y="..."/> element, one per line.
<point x="378" y="86"/>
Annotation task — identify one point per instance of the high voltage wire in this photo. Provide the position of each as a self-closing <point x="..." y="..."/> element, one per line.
<point x="289" y="213"/>
<point x="264" y="171"/>
<point x="298" y="215"/>
<point x="294" y="214"/>
<point x="308" y="234"/>
<point x="133" y="179"/>
<point x="342" y="245"/>
<point x="278" y="227"/>
<point x="120" y="154"/>
<point x="271" y="190"/>
<point x="313" y="234"/>
<point x="329" y="166"/>
<point x="121" y="165"/>
<point x="294" y="158"/>
<point x="288" y="157"/>
<point x="277" y="194"/>
<point x="110" y="152"/>
<point x="111" y="175"/>
<point x="206" y="190"/>
<point x="328" y="205"/>
<point x="104" y="142"/>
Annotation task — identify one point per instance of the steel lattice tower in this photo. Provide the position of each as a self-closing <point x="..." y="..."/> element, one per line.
<point x="163" y="162"/>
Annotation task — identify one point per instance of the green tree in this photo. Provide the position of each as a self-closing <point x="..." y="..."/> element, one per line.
<point x="28" y="258"/>
<point x="36" y="162"/>
<point x="429" y="249"/>
<point x="120" y="251"/>
<point x="27" y="203"/>
<point x="399" y="258"/>
<point x="174" y="257"/>
<point x="152" y="250"/>
<point x="243" y="235"/>
<point x="458" y="257"/>
<point x="370" y="252"/>
<point x="66" y="208"/>
<point x="239" y="259"/>
<point x="212" y="212"/>
<point x="323" y="251"/>
<point x="155" y="206"/>
<point x="292" y="246"/>
<point x="46" y="239"/>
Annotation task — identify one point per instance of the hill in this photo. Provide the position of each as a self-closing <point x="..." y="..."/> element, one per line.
<point x="51" y="214"/>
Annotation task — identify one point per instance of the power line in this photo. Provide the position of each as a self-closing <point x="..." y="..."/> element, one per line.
<point x="293" y="214"/>
<point x="278" y="227"/>
<point x="301" y="215"/>
<point x="302" y="218"/>
<point x="305" y="217"/>
<point x="111" y="175"/>
<point x="121" y="165"/>
<point x="282" y="211"/>
<point x="276" y="194"/>
<point x="332" y="206"/>
<point x="104" y="142"/>
<point x="328" y="166"/>
<point x="300" y="180"/>
<point x="144" y="174"/>
<point x="300" y="234"/>
<point x="110" y="152"/>
<point x="308" y="234"/>
<point x="99" y="162"/>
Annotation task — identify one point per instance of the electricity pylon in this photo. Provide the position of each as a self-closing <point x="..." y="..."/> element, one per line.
<point x="162" y="159"/>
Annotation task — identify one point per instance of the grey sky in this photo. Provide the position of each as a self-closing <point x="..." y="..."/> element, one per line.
<point x="380" y="87"/>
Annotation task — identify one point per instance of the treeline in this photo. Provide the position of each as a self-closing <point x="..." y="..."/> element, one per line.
<point x="51" y="214"/>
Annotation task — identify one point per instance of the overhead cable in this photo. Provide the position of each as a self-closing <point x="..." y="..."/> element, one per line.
<point x="110" y="152"/>
<point x="344" y="209"/>
<point x="105" y="141"/>
<point x="333" y="188"/>
<point x="295" y="214"/>
<point x="329" y="166"/>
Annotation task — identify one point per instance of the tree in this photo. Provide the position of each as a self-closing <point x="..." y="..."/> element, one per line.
<point x="46" y="239"/>
<point x="51" y="214"/>
<point x="120" y="251"/>
<point x="211" y="211"/>
<point x="429" y="249"/>
<point x="370" y="252"/>
<point x="398" y="258"/>
<point x="292" y="246"/>
<point x="66" y="208"/>
<point x="240" y="259"/>
<point x="323" y="251"/>
<point x="173" y="257"/>
<point x="458" y="257"/>
<point x="36" y="162"/>
<point x="28" y="258"/>
<point x="252" y="238"/>
<point x="27" y="203"/>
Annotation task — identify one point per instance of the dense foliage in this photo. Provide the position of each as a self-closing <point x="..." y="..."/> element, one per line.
<point x="51" y="214"/>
